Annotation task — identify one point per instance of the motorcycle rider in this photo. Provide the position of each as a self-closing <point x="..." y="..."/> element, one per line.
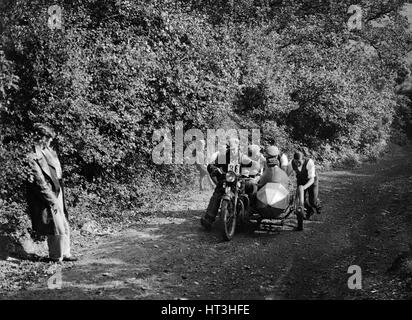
<point x="273" y="172"/>
<point x="217" y="169"/>
<point x="281" y="157"/>
<point x="254" y="168"/>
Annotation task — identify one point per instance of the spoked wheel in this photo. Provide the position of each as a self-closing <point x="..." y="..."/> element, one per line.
<point x="228" y="218"/>
<point x="299" y="211"/>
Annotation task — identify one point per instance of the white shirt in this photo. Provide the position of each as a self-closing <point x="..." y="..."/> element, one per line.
<point x="311" y="169"/>
<point x="284" y="160"/>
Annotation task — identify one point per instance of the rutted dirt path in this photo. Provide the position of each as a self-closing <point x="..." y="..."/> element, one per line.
<point x="366" y="221"/>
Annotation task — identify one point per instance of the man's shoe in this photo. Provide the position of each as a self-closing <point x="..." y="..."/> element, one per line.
<point x="308" y="215"/>
<point x="206" y="223"/>
<point x="70" y="259"/>
<point x="318" y="207"/>
<point x="35" y="258"/>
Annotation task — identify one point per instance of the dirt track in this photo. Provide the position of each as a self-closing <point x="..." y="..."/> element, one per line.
<point x="366" y="221"/>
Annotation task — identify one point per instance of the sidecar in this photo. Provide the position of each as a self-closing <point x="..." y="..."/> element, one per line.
<point x="275" y="202"/>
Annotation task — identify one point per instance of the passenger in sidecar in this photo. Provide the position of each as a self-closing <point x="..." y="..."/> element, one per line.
<point x="273" y="198"/>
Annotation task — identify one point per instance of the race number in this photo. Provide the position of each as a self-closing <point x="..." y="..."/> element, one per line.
<point x="234" y="167"/>
<point x="55" y="17"/>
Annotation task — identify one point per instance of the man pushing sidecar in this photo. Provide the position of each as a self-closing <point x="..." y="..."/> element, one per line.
<point x="307" y="183"/>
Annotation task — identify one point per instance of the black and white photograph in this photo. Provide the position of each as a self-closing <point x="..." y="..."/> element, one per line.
<point x="205" y="150"/>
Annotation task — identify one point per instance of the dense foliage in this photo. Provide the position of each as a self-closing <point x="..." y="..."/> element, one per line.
<point x="117" y="70"/>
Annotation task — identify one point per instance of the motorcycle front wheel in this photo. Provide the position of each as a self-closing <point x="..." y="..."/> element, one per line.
<point x="228" y="218"/>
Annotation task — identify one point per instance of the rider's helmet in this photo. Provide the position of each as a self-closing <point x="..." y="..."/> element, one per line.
<point x="246" y="164"/>
<point x="272" y="151"/>
<point x="272" y="154"/>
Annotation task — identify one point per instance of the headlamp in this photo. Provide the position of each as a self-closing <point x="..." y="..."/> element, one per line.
<point x="230" y="176"/>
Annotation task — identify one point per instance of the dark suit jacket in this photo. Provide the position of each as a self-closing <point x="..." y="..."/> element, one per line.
<point x="43" y="188"/>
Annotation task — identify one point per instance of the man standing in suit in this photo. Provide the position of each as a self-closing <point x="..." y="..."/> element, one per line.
<point x="45" y="196"/>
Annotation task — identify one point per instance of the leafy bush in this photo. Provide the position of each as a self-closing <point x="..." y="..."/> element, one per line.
<point x="118" y="70"/>
<point x="14" y="223"/>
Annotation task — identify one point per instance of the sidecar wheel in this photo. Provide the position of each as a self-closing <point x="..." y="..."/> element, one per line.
<point x="299" y="216"/>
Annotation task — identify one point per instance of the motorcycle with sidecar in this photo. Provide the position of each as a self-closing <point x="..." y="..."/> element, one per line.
<point x="238" y="211"/>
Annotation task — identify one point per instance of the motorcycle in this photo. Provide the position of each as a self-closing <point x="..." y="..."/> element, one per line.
<point x="235" y="202"/>
<point x="235" y="208"/>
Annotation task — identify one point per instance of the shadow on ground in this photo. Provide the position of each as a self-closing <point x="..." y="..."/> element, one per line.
<point x="365" y="221"/>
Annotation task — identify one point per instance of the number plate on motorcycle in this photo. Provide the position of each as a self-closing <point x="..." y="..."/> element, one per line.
<point x="234" y="167"/>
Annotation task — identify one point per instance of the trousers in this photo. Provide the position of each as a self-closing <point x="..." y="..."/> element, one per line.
<point x="59" y="243"/>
